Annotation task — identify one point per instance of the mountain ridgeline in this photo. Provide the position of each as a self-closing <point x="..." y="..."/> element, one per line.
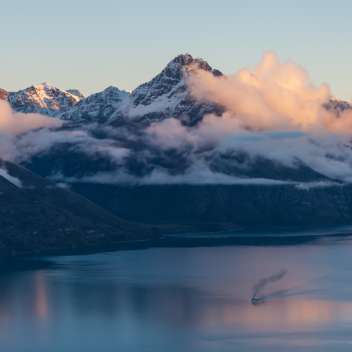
<point x="137" y="155"/>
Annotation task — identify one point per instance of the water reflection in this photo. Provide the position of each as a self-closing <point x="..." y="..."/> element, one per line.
<point x="293" y="314"/>
<point x="185" y="306"/>
<point x="40" y="296"/>
<point x="128" y="291"/>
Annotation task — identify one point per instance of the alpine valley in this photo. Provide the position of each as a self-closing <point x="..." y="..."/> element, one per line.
<point x="164" y="157"/>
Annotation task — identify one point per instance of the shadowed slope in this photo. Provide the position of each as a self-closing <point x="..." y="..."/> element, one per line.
<point x="38" y="217"/>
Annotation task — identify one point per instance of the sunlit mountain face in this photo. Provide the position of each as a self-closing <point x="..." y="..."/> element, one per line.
<point x="44" y="99"/>
<point x="263" y="127"/>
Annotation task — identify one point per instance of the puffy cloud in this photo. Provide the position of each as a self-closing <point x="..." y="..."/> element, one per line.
<point x="13" y="124"/>
<point x="272" y="96"/>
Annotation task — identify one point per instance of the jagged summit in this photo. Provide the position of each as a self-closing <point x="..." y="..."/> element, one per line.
<point x="42" y="98"/>
<point x="43" y="85"/>
<point x="168" y="94"/>
<point x="100" y="107"/>
<point x="184" y="60"/>
<point x="171" y="76"/>
<point x="114" y="91"/>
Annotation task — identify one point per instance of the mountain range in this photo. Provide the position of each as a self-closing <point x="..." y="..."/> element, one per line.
<point x="166" y="95"/>
<point x="147" y="156"/>
<point x="121" y="127"/>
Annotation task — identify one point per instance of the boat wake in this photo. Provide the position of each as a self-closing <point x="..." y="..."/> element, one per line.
<point x="259" y="297"/>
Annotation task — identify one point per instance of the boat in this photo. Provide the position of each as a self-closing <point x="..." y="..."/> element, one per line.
<point x="257" y="300"/>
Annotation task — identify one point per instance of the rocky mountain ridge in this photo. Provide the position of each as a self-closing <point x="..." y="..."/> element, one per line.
<point x="166" y="95"/>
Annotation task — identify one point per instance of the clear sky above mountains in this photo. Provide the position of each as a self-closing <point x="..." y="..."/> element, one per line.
<point x="90" y="45"/>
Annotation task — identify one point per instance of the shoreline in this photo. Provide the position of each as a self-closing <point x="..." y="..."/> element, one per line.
<point x="8" y="263"/>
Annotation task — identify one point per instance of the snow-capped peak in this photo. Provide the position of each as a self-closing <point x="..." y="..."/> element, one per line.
<point x="42" y="98"/>
<point x="186" y="60"/>
<point x="102" y="106"/>
<point x="170" y="77"/>
<point x="167" y="94"/>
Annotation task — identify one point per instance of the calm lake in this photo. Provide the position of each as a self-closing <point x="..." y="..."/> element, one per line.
<point x="182" y="300"/>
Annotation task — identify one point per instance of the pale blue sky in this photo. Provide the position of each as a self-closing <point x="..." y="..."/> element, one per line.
<point x="92" y="44"/>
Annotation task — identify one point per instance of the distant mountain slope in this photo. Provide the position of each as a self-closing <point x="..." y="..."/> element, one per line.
<point x="37" y="217"/>
<point x="110" y="104"/>
<point x="214" y="207"/>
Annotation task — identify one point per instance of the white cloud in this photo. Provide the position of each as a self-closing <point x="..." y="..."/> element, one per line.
<point x="14" y="124"/>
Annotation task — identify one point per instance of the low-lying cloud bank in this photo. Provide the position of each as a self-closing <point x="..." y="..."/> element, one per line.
<point x="23" y="136"/>
<point x="327" y="154"/>
<point x="13" y="124"/>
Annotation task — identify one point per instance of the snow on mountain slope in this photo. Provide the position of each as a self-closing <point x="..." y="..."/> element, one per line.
<point x="167" y="94"/>
<point x="111" y="103"/>
<point x="157" y="135"/>
<point x="77" y="93"/>
<point x="13" y="180"/>
<point x="42" y="98"/>
<point x="157" y="129"/>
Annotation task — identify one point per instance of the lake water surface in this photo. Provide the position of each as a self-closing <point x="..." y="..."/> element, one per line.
<point x="182" y="300"/>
